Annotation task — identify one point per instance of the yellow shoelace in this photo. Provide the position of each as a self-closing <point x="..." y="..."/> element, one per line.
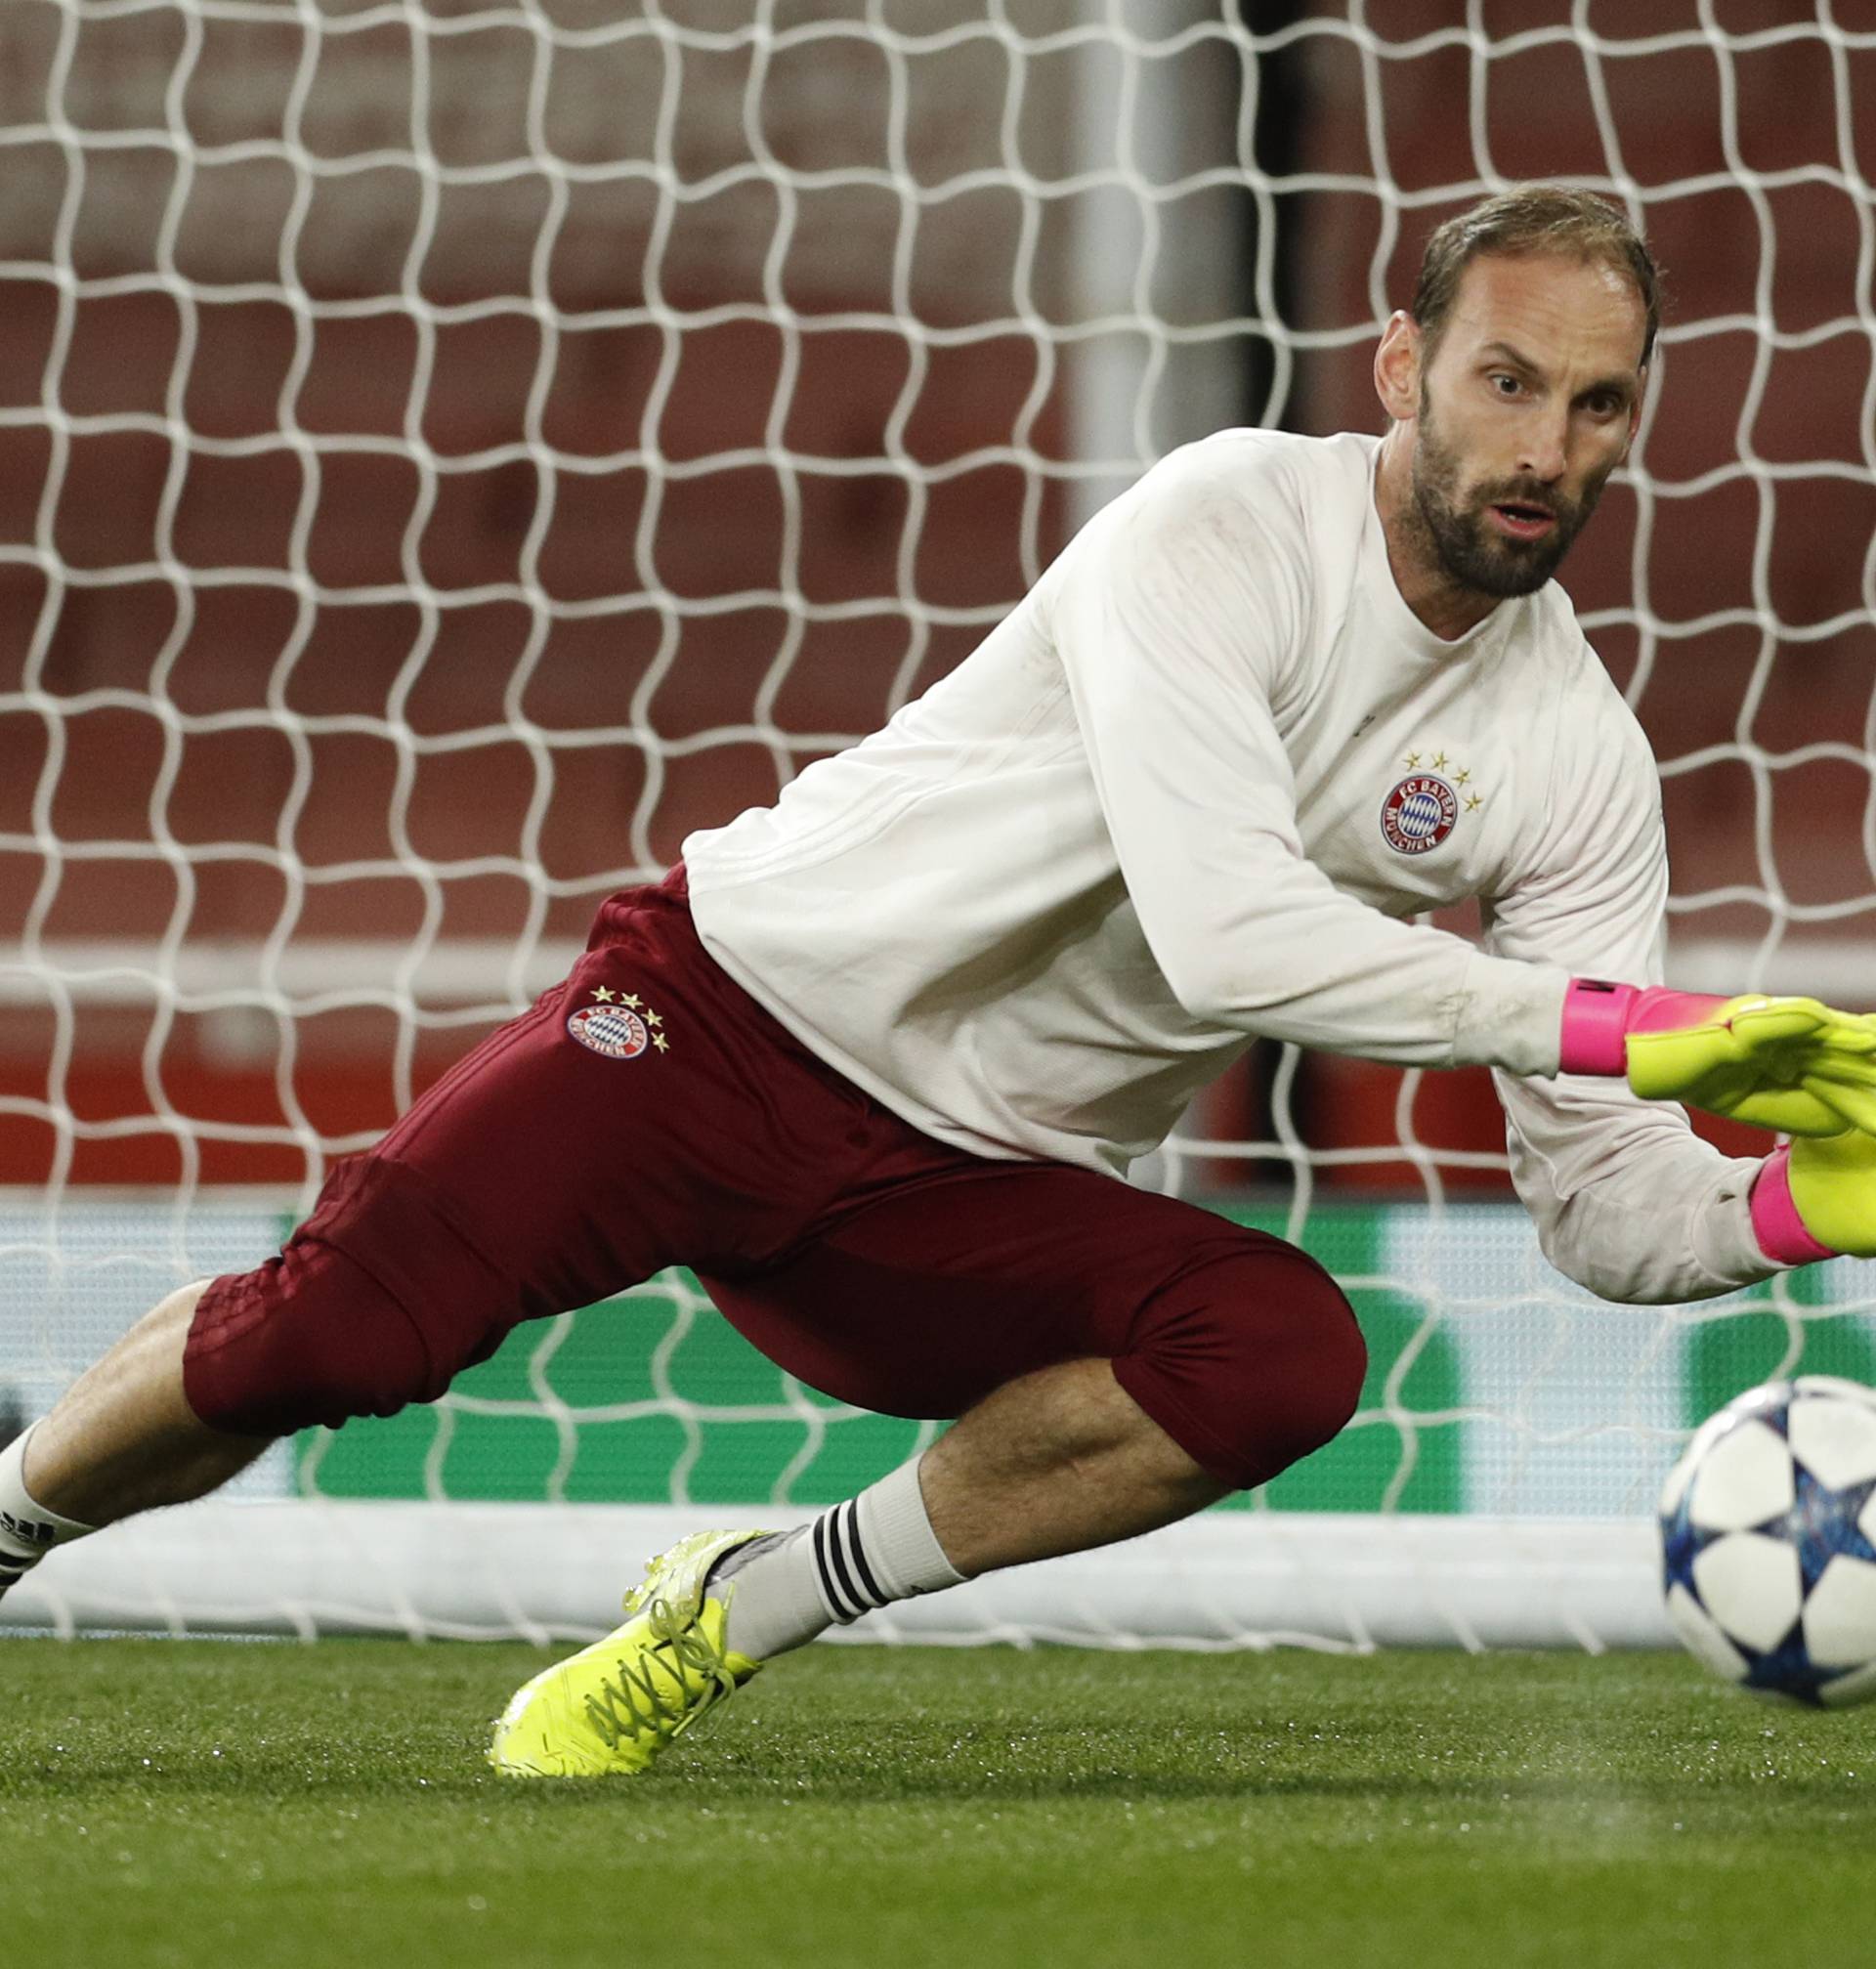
<point x="653" y="1694"/>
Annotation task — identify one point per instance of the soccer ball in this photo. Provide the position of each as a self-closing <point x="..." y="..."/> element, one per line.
<point x="1768" y="1541"/>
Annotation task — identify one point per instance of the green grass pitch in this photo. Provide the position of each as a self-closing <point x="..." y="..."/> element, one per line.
<point x="202" y="1803"/>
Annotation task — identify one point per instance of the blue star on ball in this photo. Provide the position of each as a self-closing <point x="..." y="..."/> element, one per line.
<point x="1822" y="1524"/>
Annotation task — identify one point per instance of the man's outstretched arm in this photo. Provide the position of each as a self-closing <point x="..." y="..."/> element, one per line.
<point x="1175" y="616"/>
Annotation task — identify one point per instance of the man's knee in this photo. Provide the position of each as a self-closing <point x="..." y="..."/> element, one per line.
<point x="1249" y="1361"/>
<point x="1327" y="1360"/>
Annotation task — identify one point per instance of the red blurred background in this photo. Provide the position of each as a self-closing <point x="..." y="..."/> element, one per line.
<point x="422" y="547"/>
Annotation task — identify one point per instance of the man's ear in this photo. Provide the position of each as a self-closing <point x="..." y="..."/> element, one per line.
<point x="1398" y="366"/>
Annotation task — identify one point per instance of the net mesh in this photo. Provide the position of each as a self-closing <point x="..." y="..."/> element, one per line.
<point x="452" y="451"/>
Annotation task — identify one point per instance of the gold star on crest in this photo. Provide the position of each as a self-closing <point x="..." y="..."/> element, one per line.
<point x="651" y="1017"/>
<point x="1412" y="759"/>
<point x="660" y="1042"/>
<point x="1474" y="802"/>
<point x="1440" y="761"/>
<point x="602" y="994"/>
<point x="632" y="998"/>
<point x="1464" y="774"/>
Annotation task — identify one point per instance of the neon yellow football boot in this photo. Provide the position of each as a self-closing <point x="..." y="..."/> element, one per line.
<point x="613" y="1708"/>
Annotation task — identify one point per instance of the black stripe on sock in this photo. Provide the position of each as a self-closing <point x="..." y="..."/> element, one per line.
<point x="843" y="1608"/>
<point x="855" y="1599"/>
<point x="841" y="1544"/>
<point x="858" y="1553"/>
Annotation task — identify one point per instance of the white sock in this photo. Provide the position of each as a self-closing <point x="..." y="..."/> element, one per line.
<point x="27" y="1529"/>
<point x="875" y="1549"/>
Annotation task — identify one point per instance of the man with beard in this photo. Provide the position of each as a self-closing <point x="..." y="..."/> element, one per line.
<point x="871" y="1059"/>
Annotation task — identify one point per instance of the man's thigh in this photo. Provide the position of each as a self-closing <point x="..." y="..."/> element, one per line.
<point x="922" y="1301"/>
<point x="644" y="1112"/>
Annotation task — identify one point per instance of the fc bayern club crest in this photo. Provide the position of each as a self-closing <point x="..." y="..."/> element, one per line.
<point x="614" y="1030"/>
<point x="1418" y="814"/>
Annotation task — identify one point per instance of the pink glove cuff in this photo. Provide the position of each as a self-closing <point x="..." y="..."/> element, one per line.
<point x="1779" y="1228"/>
<point x="1598" y="1018"/>
<point x="1595" y="1027"/>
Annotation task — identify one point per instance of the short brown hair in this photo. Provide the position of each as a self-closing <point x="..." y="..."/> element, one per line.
<point x="1534" y="219"/>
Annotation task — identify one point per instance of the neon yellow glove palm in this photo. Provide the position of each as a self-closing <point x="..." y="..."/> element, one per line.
<point x="1786" y="1063"/>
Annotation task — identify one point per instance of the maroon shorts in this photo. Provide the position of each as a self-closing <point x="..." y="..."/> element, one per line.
<point x="648" y="1112"/>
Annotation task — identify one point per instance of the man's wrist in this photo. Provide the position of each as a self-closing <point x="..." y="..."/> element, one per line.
<point x="1595" y="1027"/>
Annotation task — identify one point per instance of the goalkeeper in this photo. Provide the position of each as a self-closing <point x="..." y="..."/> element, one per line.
<point x="873" y="1058"/>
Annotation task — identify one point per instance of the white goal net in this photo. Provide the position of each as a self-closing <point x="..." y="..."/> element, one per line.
<point x="453" y="449"/>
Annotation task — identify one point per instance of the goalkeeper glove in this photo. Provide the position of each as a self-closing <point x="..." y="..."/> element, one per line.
<point x="1817" y="1199"/>
<point x="1790" y="1064"/>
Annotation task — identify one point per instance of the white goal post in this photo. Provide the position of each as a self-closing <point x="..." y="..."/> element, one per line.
<point x="453" y="447"/>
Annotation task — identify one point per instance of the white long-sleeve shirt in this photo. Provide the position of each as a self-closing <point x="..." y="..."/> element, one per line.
<point x="1190" y="792"/>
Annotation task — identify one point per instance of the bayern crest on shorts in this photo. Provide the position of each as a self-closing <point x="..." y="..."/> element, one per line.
<point x="612" y="1030"/>
<point x="1418" y="814"/>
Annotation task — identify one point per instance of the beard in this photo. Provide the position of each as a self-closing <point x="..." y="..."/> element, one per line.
<point x="1468" y="549"/>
